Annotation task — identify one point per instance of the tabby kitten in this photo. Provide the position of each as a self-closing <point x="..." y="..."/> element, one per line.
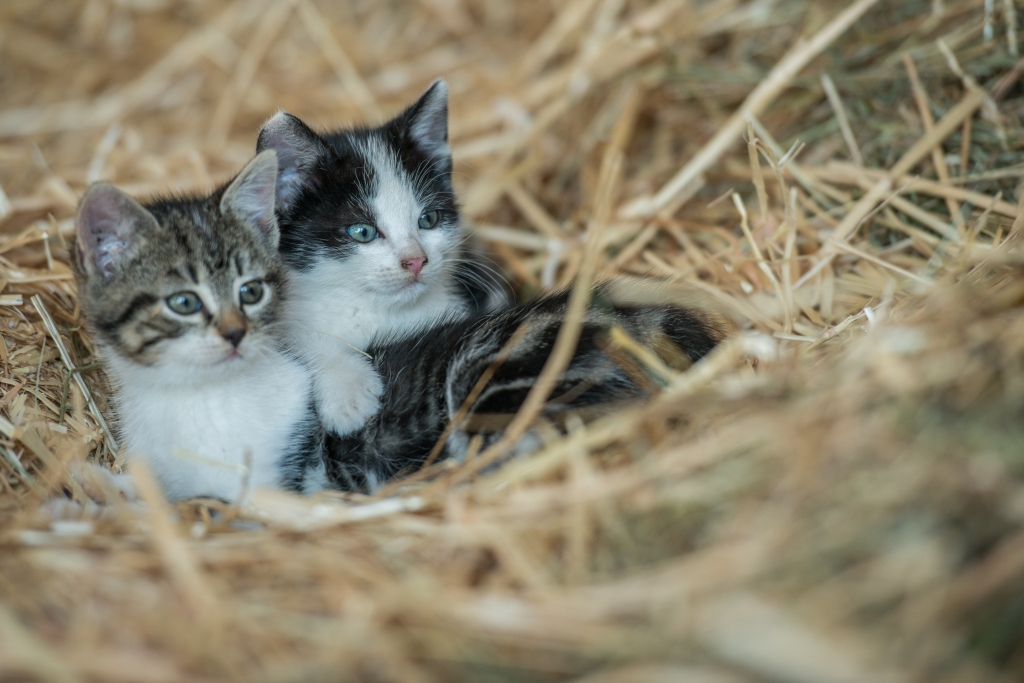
<point x="370" y="234"/>
<point x="183" y="297"/>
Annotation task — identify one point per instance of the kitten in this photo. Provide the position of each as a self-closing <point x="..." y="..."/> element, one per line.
<point x="370" y="234"/>
<point x="183" y="297"/>
<point x="429" y="375"/>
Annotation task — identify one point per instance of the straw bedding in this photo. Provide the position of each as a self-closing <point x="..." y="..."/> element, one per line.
<point x="835" y="494"/>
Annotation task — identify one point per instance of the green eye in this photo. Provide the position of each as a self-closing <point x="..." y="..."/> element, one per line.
<point x="251" y="292"/>
<point x="361" y="232"/>
<point x="184" y="303"/>
<point x="429" y="219"/>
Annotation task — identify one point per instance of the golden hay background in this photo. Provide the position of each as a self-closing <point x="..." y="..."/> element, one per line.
<point x="839" y="498"/>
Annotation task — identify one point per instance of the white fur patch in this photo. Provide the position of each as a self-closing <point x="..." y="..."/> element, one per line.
<point x="331" y="320"/>
<point x="248" y="414"/>
<point x="397" y="207"/>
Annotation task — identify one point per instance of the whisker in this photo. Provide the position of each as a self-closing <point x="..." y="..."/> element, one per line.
<point x="481" y="270"/>
<point x="486" y="268"/>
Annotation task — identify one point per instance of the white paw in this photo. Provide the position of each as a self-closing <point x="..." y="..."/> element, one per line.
<point x="348" y="396"/>
<point x="100" y="484"/>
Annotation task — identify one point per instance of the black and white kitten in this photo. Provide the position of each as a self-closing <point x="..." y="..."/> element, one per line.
<point x="370" y="234"/>
<point x="184" y="298"/>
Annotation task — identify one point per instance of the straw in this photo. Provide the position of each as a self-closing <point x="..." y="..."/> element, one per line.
<point x="835" y="490"/>
<point x="51" y="329"/>
<point x="770" y="88"/>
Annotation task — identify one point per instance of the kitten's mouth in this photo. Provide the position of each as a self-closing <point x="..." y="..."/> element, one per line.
<point x="231" y="356"/>
<point x="420" y="279"/>
<point x="408" y="287"/>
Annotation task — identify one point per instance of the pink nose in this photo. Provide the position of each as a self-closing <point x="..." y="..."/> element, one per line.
<point x="414" y="264"/>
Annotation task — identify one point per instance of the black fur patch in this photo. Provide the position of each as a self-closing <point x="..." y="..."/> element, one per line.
<point x="428" y="375"/>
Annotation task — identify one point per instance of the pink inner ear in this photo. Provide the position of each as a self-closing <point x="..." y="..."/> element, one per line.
<point x="250" y="197"/>
<point x="107" y="222"/>
<point x="108" y="252"/>
<point x="256" y="201"/>
<point x="297" y="149"/>
<point x="429" y="122"/>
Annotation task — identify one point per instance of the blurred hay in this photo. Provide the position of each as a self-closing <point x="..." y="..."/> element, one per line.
<point x="833" y="495"/>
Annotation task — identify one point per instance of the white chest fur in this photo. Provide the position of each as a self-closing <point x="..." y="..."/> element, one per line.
<point x="342" y="312"/>
<point x="331" y="322"/>
<point x="198" y="438"/>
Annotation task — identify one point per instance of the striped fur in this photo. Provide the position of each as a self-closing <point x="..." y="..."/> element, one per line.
<point x="192" y="390"/>
<point x="429" y="375"/>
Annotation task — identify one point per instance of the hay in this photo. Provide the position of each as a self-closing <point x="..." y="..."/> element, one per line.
<point x="835" y="494"/>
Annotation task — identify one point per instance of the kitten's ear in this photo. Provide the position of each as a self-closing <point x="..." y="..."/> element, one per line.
<point x="250" y="197"/>
<point x="108" y="224"/>
<point x="427" y="120"/>
<point x="298" y="150"/>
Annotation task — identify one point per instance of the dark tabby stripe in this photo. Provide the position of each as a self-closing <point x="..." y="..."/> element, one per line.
<point x="140" y="302"/>
<point x="428" y="375"/>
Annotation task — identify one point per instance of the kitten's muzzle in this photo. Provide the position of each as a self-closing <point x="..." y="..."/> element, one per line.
<point x="234" y="335"/>
<point x="414" y="265"/>
<point x="232" y="328"/>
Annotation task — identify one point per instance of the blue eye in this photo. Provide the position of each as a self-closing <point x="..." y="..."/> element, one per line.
<point x="184" y="303"/>
<point x="251" y="292"/>
<point x="361" y="232"/>
<point x="429" y="219"/>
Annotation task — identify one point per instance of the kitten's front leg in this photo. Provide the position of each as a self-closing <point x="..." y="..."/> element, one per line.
<point x="348" y="391"/>
<point x="100" y="484"/>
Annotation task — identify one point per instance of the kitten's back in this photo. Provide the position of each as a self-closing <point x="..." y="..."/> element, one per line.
<point x="430" y="374"/>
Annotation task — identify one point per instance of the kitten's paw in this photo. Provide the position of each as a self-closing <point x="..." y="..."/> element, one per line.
<point x="348" y="399"/>
<point x="102" y="485"/>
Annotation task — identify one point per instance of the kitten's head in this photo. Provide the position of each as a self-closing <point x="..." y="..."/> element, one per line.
<point x="369" y="209"/>
<point x="185" y="289"/>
